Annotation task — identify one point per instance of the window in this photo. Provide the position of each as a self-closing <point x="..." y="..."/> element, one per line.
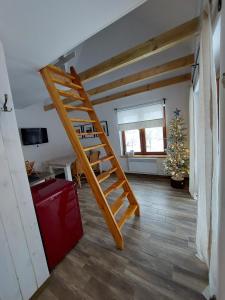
<point x="154" y="139"/>
<point x="143" y="129"/>
<point x="132" y="138"/>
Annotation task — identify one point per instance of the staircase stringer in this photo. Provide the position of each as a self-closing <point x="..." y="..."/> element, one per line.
<point x="78" y="149"/>
<point x="109" y="150"/>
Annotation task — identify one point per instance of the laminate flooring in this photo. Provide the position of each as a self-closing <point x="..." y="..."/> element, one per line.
<point x="159" y="260"/>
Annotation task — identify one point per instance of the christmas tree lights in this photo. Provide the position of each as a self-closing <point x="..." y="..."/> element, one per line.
<point x="177" y="162"/>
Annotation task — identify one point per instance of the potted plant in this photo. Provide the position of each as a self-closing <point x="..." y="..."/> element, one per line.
<point x="177" y="162"/>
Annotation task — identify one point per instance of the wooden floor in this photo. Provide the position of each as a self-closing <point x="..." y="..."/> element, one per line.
<point x="158" y="261"/>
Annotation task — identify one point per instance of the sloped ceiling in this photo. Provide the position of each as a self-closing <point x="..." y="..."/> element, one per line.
<point x="35" y="33"/>
<point x="147" y="21"/>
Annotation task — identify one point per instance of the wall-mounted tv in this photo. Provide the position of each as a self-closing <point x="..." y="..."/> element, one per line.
<point x="34" y="136"/>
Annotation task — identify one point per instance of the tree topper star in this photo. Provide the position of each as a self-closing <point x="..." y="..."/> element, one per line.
<point x="177" y="112"/>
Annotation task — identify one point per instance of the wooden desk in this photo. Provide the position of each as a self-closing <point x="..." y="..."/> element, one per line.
<point x="63" y="162"/>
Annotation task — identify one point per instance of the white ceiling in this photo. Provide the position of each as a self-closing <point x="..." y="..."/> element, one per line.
<point x="35" y="33"/>
<point x="147" y="21"/>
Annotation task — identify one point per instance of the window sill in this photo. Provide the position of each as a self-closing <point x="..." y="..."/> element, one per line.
<point x="145" y="156"/>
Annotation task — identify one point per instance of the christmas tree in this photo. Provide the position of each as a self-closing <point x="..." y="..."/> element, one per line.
<point x="177" y="161"/>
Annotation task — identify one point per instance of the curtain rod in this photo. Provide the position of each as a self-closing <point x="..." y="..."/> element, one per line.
<point x="141" y="104"/>
<point x="219" y="5"/>
<point x="195" y="65"/>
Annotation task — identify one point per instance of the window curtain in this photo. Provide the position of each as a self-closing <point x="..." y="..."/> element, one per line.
<point x="193" y="145"/>
<point x="220" y="254"/>
<point x="207" y="140"/>
<point x="140" y="116"/>
<point x="213" y="266"/>
<point x="205" y="151"/>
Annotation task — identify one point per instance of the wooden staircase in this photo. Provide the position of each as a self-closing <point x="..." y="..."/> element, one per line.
<point x="54" y="79"/>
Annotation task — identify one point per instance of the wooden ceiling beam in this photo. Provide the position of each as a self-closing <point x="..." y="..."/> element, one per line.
<point x="143" y="88"/>
<point x="155" y="45"/>
<point x="153" y="72"/>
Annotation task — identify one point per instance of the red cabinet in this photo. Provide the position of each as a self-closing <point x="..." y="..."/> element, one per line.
<point x="57" y="208"/>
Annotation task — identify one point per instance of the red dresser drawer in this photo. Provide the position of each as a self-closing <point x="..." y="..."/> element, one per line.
<point x="58" y="213"/>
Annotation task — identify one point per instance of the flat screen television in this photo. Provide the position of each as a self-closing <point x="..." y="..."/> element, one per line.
<point x="34" y="136"/>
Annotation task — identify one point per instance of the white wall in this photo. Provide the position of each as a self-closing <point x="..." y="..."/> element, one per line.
<point x="34" y="116"/>
<point x="23" y="265"/>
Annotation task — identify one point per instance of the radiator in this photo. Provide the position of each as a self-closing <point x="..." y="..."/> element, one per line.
<point x="143" y="165"/>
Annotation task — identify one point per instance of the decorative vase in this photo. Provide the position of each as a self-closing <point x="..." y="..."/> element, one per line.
<point x="177" y="183"/>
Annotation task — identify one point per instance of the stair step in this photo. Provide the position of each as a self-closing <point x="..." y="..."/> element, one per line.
<point x="70" y="95"/>
<point x="127" y="214"/>
<point x="89" y="133"/>
<point x="67" y="83"/>
<point x="103" y="176"/>
<point x="114" y="187"/>
<point x="102" y="159"/>
<point x="64" y="101"/>
<point x="94" y="146"/>
<point x="59" y="71"/>
<point x="115" y="206"/>
<point x="80" y="108"/>
<point x="75" y="120"/>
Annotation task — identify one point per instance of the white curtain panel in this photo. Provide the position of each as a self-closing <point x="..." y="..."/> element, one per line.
<point x="213" y="263"/>
<point x="193" y="148"/>
<point x="196" y="110"/>
<point x="205" y="147"/>
<point x="221" y="195"/>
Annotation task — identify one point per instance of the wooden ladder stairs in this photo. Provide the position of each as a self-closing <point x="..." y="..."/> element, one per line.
<point x="54" y="78"/>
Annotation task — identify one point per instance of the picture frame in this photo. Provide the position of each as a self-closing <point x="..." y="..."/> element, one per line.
<point x="104" y="125"/>
<point x="78" y="129"/>
<point x="90" y="128"/>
